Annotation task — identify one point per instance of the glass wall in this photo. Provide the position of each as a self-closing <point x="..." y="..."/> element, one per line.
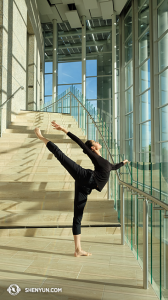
<point x="128" y="88"/>
<point x="143" y="95"/>
<point x="162" y="42"/>
<point x="99" y="67"/>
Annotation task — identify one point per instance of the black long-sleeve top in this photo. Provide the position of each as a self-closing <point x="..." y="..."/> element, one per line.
<point x="102" y="166"/>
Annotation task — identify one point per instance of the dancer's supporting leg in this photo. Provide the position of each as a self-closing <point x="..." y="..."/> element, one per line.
<point x="78" y="249"/>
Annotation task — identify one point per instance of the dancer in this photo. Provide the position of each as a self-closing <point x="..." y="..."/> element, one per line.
<point x="85" y="179"/>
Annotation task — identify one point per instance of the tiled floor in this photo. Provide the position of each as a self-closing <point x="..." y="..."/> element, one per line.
<point x="112" y="271"/>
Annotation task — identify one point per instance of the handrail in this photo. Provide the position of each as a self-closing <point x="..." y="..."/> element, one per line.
<point x="138" y="191"/>
<point x="21" y="87"/>
<point x="70" y="93"/>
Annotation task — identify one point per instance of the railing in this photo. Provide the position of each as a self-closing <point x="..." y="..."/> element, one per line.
<point x="3" y="104"/>
<point x="144" y="186"/>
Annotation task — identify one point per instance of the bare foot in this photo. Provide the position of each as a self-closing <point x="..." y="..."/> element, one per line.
<point x="38" y="132"/>
<point x="81" y="253"/>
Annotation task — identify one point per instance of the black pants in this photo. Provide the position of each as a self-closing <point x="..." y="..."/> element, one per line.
<point x="84" y="183"/>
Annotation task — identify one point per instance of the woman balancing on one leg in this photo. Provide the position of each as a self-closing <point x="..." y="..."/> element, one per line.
<point x="85" y="179"/>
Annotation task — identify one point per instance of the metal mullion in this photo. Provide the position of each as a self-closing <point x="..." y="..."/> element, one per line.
<point x="162" y="142"/>
<point x="128" y="38"/>
<point x="128" y="88"/>
<point x="163" y="34"/>
<point x="128" y="63"/>
<point x="128" y="139"/>
<point x="138" y="95"/>
<point x="144" y="122"/>
<point x="127" y="13"/>
<point x="144" y="32"/>
<point x="162" y="71"/>
<point x="131" y="112"/>
<point x="160" y="3"/>
<point x="141" y="6"/>
<point x="99" y="76"/>
<point x="68" y="83"/>
<point x="162" y="106"/>
<point x="144" y="61"/>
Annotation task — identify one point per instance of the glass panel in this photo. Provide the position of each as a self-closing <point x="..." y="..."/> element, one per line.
<point x="144" y="47"/>
<point x="140" y="2"/>
<point x="164" y="256"/>
<point x="145" y="156"/>
<point x="91" y="88"/>
<point x="164" y="156"/>
<point x="145" y="107"/>
<point x="164" y="124"/>
<point x="145" y="136"/>
<point x="128" y="25"/>
<point x="128" y="50"/>
<point x="162" y="18"/>
<point x="140" y="231"/>
<point x="47" y="99"/>
<point x="158" y="1"/>
<point x="163" y="50"/>
<point x="129" y="100"/>
<point x="63" y="88"/>
<point x="104" y="109"/>
<point x="128" y="75"/>
<point x="163" y="88"/>
<point x="91" y="67"/>
<point x="48" y="67"/>
<point x="48" y="84"/>
<point x="129" y="126"/>
<point x="70" y="72"/>
<point x="104" y="87"/>
<point x="156" y="251"/>
<point x="143" y="18"/>
<point x="104" y="64"/>
<point x="144" y="76"/>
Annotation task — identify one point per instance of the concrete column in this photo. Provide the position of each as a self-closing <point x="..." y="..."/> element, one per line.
<point x="32" y="72"/>
<point x="55" y="61"/>
<point x="114" y="76"/>
<point x="84" y="64"/>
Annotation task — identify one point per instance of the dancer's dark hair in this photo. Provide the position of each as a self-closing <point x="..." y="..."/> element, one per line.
<point x="89" y="144"/>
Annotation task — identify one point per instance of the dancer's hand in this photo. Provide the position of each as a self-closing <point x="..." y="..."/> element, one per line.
<point x="56" y="126"/>
<point x="126" y="161"/>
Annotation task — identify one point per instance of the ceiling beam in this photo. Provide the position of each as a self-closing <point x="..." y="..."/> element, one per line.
<point x="94" y="30"/>
<point x="88" y="44"/>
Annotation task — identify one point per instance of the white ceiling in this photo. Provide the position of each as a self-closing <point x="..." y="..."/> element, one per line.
<point x="90" y="8"/>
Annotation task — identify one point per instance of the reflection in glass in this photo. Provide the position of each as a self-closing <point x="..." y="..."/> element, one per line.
<point x="164" y="124"/>
<point x="129" y="126"/>
<point x="163" y="50"/>
<point x="128" y="50"/>
<point x="70" y="72"/>
<point x="104" y="64"/>
<point x="163" y="88"/>
<point x="117" y="80"/>
<point x="128" y="24"/>
<point x="143" y="18"/>
<point x="144" y="47"/>
<point x="129" y="100"/>
<point x="145" y="157"/>
<point x="162" y="18"/>
<point x="48" y="84"/>
<point x="164" y="154"/>
<point x="128" y="75"/>
<point x="145" y="107"/>
<point x="129" y="150"/>
<point x="145" y="136"/>
<point x="144" y="76"/>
